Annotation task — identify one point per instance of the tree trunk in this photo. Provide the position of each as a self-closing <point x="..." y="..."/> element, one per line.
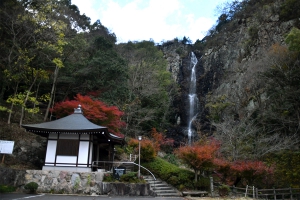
<point x="36" y="94"/>
<point x="12" y="105"/>
<point x="196" y="175"/>
<point x="26" y="99"/>
<point x="52" y="92"/>
<point x="2" y="90"/>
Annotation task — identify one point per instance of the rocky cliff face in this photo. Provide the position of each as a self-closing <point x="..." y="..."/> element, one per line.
<point x="228" y="65"/>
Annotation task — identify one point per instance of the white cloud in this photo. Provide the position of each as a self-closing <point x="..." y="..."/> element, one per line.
<point x="137" y="20"/>
<point x="134" y="22"/>
<point x="197" y="27"/>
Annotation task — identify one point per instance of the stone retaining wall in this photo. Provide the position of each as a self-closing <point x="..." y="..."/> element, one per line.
<point x="12" y="177"/>
<point x="64" y="182"/>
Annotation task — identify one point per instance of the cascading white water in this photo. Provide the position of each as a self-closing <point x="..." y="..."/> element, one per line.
<point x="192" y="97"/>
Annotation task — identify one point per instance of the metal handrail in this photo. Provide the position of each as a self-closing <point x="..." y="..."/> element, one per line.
<point x="114" y="162"/>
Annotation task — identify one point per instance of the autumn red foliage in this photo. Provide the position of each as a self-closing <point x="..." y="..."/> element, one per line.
<point x="251" y="171"/>
<point x="94" y="110"/>
<point x="199" y="156"/>
<point x="205" y="157"/>
<point x="222" y="169"/>
<point x="160" y="140"/>
<point x="242" y="173"/>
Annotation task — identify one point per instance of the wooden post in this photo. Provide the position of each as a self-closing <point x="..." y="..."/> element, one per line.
<point x="246" y="191"/>
<point x="234" y="190"/>
<point x="3" y="159"/>
<point x="291" y="191"/>
<point x="211" y="186"/>
<point x="256" y="191"/>
<point x="274" y="193"/>
<point x="253" y="192"/>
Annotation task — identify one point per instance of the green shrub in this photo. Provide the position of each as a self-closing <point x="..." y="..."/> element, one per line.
<point x="202" y="184"/>
<point x="32" y="187"/>
<point x="147" y="150"/>
<point x="173" y="180"/>
<point x="171" y="158"/>
<point x="290" y="9"/>
<point x="253" y="33"/>
<point x="131" y="177"/>
<point x="108" y="178"/>
<point x="224" y="190"/>
<point x="180" y="178"/>
<point x="7" y="188"/>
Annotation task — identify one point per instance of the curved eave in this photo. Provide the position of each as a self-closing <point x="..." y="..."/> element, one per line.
<point x="73" y="124"/>
<point x="42" y="131"/>
<point x="102" y="131"/>
<point x="116" y="138"/>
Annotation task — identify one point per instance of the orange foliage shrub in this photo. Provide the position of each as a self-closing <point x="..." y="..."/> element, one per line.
<point x="148" y="152"/>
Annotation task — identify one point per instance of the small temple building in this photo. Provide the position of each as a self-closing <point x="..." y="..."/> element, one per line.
<point x="74" y="143"/>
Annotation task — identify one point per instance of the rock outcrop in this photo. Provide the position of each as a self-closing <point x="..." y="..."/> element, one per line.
<point x="228" y="65"/>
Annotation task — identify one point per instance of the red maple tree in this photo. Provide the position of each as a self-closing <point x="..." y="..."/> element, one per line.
<point x="161" y="141"/>
<point x="199" y="156"/>
<point x="250" y="170"/>
<point x="94" y="110"/>
<point x="222" y="169"/>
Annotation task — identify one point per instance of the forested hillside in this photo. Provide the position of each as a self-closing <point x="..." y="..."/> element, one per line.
<point x="248" y="82"/>
<point x="51" y="53"/>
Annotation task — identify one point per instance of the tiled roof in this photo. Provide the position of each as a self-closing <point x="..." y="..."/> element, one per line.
<point x="73" y="124"/>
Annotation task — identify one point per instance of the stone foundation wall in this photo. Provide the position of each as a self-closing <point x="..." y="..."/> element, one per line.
<point x="65" y="182"/>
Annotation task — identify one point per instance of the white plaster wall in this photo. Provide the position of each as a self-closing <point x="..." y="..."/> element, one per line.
<point x="82" y="155"/>
<point x="91" y="152"/>
<point x="51" y="151"/>
<point x="83" y="152"/>
<point x="66" y="159"/>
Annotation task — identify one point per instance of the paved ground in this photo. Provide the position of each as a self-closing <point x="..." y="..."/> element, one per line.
<point x="20" y="196"/>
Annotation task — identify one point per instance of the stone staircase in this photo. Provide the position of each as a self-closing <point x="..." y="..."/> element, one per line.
<point x="161" y="188"/>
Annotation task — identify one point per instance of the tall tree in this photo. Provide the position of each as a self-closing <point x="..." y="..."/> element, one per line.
<point x="282" y="109"/>
<point x="105" y="72"/>
<point x="20" y="44"/>
<point x="149" y="85"/>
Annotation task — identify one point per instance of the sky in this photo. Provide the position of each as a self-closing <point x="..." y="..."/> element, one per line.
<point x="157" y="20"/>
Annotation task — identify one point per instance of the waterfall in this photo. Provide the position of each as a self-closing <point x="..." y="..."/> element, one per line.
<point x="192" y="97"/>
